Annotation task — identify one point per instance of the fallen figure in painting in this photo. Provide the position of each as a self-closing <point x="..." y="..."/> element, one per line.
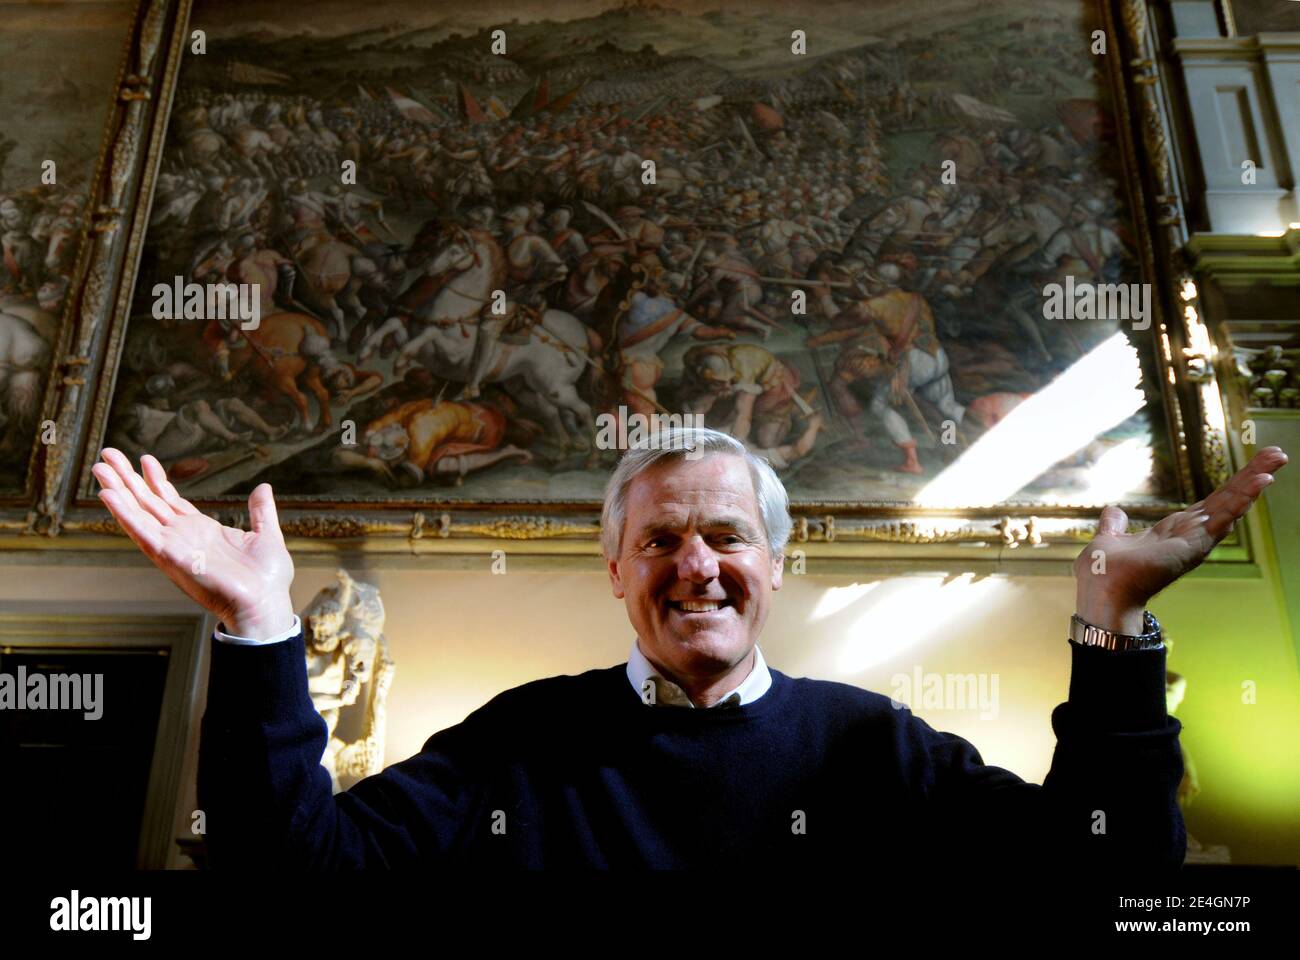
<point x="428" y="438"/>
<point x="178" y="429"/>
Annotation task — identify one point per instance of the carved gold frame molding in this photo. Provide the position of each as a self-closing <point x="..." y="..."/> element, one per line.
<point x="123" y="188"/>
<point x="66" y="515"/>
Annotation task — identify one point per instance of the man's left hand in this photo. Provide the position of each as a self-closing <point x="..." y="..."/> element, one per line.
<point x="1119" y="572"/>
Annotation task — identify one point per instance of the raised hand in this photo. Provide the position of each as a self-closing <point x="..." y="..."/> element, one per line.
<point x="242" y="577"/>
<point x="1113" y="590"/>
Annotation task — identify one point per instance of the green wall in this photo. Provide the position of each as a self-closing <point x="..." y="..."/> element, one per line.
<point x="1227" y="631"/>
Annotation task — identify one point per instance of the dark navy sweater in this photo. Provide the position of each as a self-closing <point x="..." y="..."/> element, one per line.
<point x="578" y="771"/>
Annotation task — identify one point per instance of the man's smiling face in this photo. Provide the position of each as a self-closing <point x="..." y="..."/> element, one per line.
<point x="695" y="570"/>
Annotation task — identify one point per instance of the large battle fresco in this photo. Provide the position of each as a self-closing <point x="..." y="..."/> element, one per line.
<point x="60" y="63"/>
<point x="383" y="366"/>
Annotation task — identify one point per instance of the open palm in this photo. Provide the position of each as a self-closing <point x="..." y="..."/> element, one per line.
<point x="1121" y="571"/>
<point x="242" y="577"/>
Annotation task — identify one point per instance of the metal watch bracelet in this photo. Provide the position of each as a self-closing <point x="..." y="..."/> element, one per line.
<point x="1088" y="635"/>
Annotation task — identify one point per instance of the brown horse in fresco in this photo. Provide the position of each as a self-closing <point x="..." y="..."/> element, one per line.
<point x="272" y="357"/>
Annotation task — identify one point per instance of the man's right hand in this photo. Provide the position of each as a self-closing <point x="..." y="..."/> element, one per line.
<point x="242" y="577"/>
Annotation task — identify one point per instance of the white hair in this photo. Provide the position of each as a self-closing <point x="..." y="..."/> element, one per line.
<point x="679" y="443"/>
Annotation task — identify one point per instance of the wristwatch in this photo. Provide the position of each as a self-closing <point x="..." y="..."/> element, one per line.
<point x="1083" y="632"/>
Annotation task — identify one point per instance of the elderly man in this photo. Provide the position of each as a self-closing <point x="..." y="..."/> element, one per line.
<point x="695" y="752"/>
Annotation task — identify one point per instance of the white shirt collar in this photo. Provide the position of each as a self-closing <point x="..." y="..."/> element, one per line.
<point x="640" y="669"/>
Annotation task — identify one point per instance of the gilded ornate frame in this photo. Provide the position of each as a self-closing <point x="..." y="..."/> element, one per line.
<point x="64" y="512"/>
<point x="109" y="241"/>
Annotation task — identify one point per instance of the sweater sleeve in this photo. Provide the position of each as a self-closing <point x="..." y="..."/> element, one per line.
<point x="1109" y="799"/>
<point x="268" y="801"/>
